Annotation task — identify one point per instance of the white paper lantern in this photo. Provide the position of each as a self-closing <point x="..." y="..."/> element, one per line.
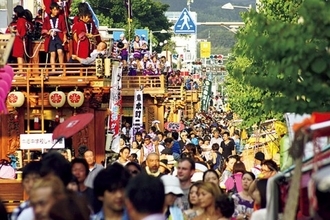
<point x="57" y="99"/>
<point x="15" y="99"/>
<point x="75" y="99"/>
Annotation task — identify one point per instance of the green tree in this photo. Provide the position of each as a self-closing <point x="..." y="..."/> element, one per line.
<point x="246" y="100"/>
<point x="285" y="50"/>
<point x="147" y="14"/>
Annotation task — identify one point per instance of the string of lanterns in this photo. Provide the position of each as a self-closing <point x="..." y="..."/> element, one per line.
<point x="57" y="99"/>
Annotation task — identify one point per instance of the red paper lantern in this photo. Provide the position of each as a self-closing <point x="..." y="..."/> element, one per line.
<point x="75" y="99"/>
<point x="57" y="99"/>
<point x="15" y="99"/>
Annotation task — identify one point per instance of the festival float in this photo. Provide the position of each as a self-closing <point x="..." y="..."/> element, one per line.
<point x="40" y="99"/>
<point x="302" y="190"/>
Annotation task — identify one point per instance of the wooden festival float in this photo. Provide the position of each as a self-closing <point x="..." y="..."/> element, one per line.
<point x="40" y="99"/>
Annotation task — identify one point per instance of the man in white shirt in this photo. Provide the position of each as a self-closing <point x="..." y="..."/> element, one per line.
<point x="218" y="103"/>
<point x="258" y="158"/>
<point x="216" y="139"/>
<point x="145" y="64"/>
<point x="165" y="66"/>
<point x="94" y="168"/>
<point x="128" y="131"/>
<point x="157" y="145"/>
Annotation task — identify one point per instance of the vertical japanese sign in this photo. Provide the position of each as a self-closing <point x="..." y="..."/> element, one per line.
<point x="205" y="49"/>
<point x="137" y="111"/>
<point x="115" y="103"/>
<point x="206" y="95"/>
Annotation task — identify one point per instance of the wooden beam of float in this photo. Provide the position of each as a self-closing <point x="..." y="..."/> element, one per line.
<point x="6" y="43"/>
<point x="82" y="76"/>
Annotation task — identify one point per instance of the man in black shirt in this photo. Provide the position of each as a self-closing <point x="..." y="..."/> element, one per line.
<point x="227" y="146"/>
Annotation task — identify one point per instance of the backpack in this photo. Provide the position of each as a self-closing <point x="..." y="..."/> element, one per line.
<point x="222" y="163"/>
<point x="234" y="189"/>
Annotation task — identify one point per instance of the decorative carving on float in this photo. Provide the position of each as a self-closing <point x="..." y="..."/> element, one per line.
<point x="82" y="135"/>
<point x="13" y="134"/>
<point x="151" y="115"/>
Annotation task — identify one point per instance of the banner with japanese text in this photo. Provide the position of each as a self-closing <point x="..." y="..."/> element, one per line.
<point x="206" y="95"/>
<point x="115" y="103"/>
<point x="137" y="111"/>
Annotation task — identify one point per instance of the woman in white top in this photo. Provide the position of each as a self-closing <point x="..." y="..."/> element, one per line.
<point x="146" y="65"/>
<point x="135" y="149"/>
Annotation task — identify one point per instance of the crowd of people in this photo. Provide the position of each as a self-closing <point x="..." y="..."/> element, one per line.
<point x="196" y="173"/>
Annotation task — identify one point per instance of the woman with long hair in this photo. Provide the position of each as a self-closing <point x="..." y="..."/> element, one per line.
<point x="208" y="193"/>
<point x="243" y="200"/>
<point x="259" y="194"/>
<point x="195" y="209"/>
<point x="211" y="176"/>
<point x="228" y="171"/>
<point x="234" y="182"/>
<point x="20" y="36"/>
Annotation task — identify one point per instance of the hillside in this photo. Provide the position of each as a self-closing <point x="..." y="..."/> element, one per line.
<point x="210" y="10"/>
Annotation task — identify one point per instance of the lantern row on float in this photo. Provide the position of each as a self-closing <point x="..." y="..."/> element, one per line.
<point x="75" y="99"/>
<point x="6" y="77"/>
<point x="56" y="99"/>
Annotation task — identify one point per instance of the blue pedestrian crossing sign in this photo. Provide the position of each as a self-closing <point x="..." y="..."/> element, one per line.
<point x="185" y="24"/>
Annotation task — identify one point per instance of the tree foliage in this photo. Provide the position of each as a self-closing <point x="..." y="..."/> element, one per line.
<point x="146" y="14"/>
<point x="285" y="48"/>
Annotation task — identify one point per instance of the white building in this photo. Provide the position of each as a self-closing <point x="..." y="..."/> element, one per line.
<point x="186" y="44"/>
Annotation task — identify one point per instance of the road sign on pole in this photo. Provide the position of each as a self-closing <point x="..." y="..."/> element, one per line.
<point x="185" y="24"/>
<point x="205" y="49"/>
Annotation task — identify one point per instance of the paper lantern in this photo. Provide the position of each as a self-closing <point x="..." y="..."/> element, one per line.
<point x="15" y="99"/>
<point x="57" y="99"/>
<point x="75" y="99"/>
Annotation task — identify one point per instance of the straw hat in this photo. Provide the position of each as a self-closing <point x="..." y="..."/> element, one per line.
<point x="164" y="163"/>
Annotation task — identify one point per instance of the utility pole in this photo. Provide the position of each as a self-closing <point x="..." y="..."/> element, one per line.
<point x="189" y="3"/>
